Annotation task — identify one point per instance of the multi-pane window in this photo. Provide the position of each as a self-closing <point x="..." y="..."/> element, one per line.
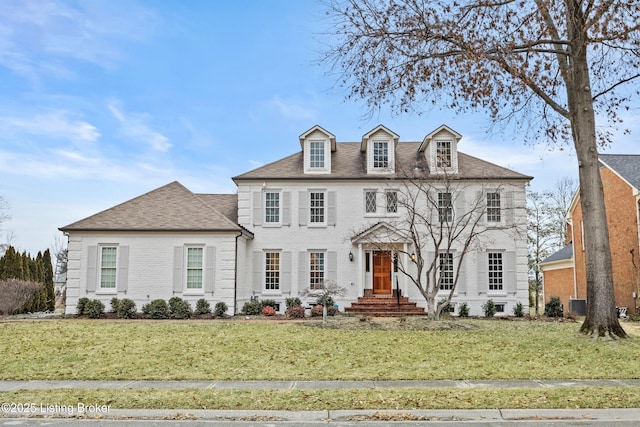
<point x="316" y="154"/>
<point x="272" y="271"/>
<point x="370" y="202"/>
<point x="493" y="207"/>
<point x="272" y="207"/>
<point x="194" y="268"/>
<point x="445" y="208"/>
<point x="392" y="202"/>
<point x="443" y="154"/>
<point x="380" y="154"/>
<point x="316" y="207"/>
<point x="108" y="267"/>
<point x="446" y="270"/>
<point x="316" y="270"/>
<point x="495" y="271"/>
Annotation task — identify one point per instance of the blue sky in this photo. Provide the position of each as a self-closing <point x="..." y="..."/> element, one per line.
<point x="103" y="100"/>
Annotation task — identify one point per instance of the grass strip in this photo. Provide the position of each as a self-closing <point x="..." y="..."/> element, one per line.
<point x="306" y="400"/>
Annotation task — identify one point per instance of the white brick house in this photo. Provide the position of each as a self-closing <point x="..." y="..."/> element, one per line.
<point x="311" y="217"/>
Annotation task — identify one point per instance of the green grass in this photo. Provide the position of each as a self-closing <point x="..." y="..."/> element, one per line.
<point x="236" y="350"/>
<point x="300" y="400"/>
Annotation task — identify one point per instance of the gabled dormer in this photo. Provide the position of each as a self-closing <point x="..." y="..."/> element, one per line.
<point x="317" y="145"/>
<point x="379" y="146"/>
<point x="440" y="148"/>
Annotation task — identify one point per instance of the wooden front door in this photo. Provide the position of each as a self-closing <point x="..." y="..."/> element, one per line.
<point x="382" y="273"/>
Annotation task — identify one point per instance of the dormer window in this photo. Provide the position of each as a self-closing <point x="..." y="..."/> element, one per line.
<point x="443" y="154"/>
<point x="380" y="154"/>
<point x="316" y="154"/>
<point x="317" y="146"/>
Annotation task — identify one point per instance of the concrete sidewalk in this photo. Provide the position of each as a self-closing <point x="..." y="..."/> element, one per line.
<point x="307" y="385"/>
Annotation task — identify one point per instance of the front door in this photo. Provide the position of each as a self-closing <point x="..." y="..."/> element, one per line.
<point x="382" y="273"/>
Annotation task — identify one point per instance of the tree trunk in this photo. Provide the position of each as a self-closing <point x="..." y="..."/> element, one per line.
<point x="601" y="317"/>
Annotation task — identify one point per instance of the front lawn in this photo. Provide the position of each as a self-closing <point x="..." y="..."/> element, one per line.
<point x="81" y="349"/>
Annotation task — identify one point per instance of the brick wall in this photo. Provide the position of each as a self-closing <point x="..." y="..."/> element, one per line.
<point x="623" y="235"/>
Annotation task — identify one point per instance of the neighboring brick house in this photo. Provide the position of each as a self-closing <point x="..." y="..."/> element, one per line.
<point x="302" y="220"/>
<point x="621" y="182"/>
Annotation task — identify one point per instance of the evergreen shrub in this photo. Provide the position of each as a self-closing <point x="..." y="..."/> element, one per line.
<point x="179" y="308"/>
<point x="489" y="308"/>
<point x="126" y="309"/>
<point x="220" y="309"/>
<point x="203" y="306"/>
<point x="156" y="309"/>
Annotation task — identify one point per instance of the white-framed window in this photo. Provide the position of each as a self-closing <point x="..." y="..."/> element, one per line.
<point x="317" y="207"/>
<point x="500" y="307"/>
<point x="446" y="270"/>
<point x="194" y="269"/>
<point x="272" y="271"/>
<point x="496" y="271"/>
<point x="271" y="207"/>
<point x="316" y="154"/>
<point x="108" y="263"/>
<point x="493" y="207"/>
<point x="445" y="207"/>
<point x="380" y="154"/>
<point x="392" y="202"/>
<point x="443" y="154"/>
<point x="316" y="270"/>
<point x="370" y="202"/>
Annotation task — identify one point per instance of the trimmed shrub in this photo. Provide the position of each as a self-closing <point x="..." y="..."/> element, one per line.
<point x="156" y="309"/>
<point x="252" y="308"/>
<point x="293" y="302"/>
<point x="179" y="308"/>
<point x="553" y="308"/>
<point x="203" y="306"/>
<point x="114" y="304"/>
<point x="82" y="302"/>
<point x="94" y="309"/>
<point x="295" y="312"/>
<point x="269" y="303"/>
<point x="268" y="311"/>
<point x="463" y="311"/>
<point x="316" y="311"/>
<point x="518" y="310"/>
<point x="126" y="309"/>
<point x="489" y="308"/>
<point x="325" y="300"/>
<point x="220" y="309"/>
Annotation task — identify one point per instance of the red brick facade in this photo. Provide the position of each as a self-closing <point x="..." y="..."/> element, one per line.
<point x="622" y="219"/>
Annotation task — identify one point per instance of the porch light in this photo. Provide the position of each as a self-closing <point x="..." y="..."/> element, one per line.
<point x="413" y="256"/>
<point x="350" y="256"/>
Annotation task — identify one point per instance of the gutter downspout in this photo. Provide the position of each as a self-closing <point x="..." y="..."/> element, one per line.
<point x="235" y="276"/>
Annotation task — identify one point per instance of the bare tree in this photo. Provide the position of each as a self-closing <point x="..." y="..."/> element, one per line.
<point x="325" y="294"/>
<point x="561" y="197"/>
<point x="546" y="66"/>
<point x="540" y="238"/>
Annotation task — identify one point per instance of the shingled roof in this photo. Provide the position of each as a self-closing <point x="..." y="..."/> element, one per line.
<point x="348" y="162"/>
<point x="625" y="165"/>
<point x="169" y="208"/>
<point x="563" y="254"/>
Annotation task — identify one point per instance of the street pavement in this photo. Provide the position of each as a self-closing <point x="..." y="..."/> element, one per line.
<point x="87" y="414"/>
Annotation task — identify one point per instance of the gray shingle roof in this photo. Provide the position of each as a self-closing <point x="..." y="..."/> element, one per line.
<point x="348" y="162"/>
<point x="626" y="165"/>
<point x="563" y="254"/>
<point x="171" y="208"/>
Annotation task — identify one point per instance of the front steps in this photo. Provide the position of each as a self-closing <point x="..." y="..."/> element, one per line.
<point x="384" y="306"/>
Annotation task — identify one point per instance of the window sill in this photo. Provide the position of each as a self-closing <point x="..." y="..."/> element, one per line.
<point x="193" y="292"/>
<point x="106" y="291"/>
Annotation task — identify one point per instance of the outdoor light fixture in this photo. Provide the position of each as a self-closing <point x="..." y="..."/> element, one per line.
<point x="413" y="256"/>
<point x="350" y="256"/>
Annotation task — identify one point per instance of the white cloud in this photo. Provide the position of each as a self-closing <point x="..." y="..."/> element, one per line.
<point x="134" y="126"/>
<point x="56" y="124"/>
<point x="294" y="110"/>
<point x="36" y="35"/>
